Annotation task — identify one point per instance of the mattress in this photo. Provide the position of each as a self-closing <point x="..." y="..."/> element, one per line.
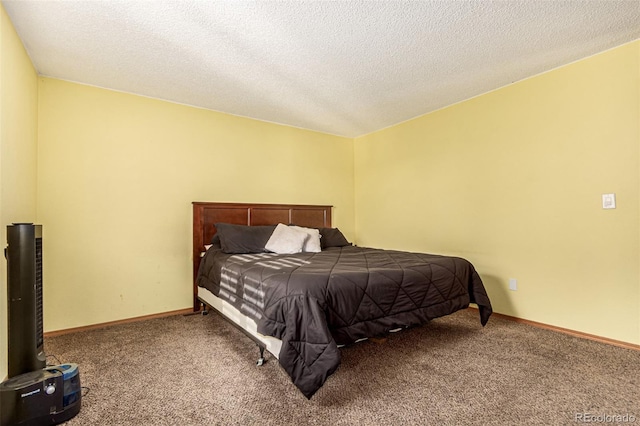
<point x="313" y="302"/>
<point x="247" y="324"/>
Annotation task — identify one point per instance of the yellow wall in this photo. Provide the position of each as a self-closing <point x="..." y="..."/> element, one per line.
<point x="116" y="177"/>
<point x="18" y="143"/>
<point x="512" y="180"/>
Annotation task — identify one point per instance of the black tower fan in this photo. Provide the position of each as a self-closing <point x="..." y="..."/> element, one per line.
<point x="34" y="394"/>
<point x="24" y="301"/>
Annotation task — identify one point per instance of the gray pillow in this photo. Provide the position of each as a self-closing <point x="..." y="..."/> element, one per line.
<point x="237" y="239"/>
<point x="332" y="237"/>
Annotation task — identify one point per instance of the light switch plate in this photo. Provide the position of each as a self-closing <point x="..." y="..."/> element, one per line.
<point x="608" y="201"/>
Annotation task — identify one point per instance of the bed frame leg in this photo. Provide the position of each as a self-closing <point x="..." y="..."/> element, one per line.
<point x="201" y="309"/>
<point x="261" y="360"/>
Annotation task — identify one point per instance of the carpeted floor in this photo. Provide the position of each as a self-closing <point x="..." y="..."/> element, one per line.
<point x="199" y="370"/>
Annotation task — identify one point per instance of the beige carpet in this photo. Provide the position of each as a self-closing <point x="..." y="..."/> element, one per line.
<point x="199" y="370"/>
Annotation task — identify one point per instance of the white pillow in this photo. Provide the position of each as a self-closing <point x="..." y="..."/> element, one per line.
<point x="312" y="243"/>
<point x="286" y="240"/>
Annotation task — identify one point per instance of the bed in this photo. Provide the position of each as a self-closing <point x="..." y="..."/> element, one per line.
<point x="302" y="306"/>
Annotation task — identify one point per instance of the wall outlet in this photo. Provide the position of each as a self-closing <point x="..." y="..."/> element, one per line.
<point x="513" y="284"/>
<point x="608" y="201"/>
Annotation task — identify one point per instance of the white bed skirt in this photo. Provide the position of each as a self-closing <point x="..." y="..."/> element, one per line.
<point x="271" y="343"/>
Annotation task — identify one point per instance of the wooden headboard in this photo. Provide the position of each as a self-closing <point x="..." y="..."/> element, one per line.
<point x="206" y="215"/>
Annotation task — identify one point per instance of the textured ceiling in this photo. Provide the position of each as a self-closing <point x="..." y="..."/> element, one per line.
<point x="341" y="67"/>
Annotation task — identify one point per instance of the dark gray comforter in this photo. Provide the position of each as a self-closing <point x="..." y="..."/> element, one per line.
<point x="316" y="301"/>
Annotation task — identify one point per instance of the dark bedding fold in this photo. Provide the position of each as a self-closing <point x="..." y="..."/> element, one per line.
<point x="309" y="355"/>
<point x="315" y="301"/>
